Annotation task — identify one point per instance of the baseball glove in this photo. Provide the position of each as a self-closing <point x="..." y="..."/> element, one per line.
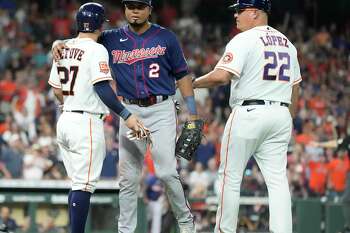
<point x="189" y="139"/>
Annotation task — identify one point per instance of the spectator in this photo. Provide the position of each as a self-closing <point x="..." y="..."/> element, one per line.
<point x="155" y="199"/>
<point x="110" y="164"/>
<point x="5" y="218"/>
<point x="4" y="173"/>
<point x="318" y="176"/>
<point x="7" y="91"/>
<point x="35" y="164"/>
<point x="48" y="226"/>
<point x="198" y="182"/>
<point x="12" y="156"/>
<point x="338" y="168"/>
<point x="205" y="152"/>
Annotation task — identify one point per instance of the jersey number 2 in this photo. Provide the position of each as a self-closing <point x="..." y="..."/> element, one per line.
<point x="153" y="70"/>
<point x="66" y="80"/>
<point x="277" y="65"/>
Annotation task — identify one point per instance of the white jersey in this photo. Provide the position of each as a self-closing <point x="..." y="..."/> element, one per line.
<point x="265" y="64"/>
<point x="83" y="64"/>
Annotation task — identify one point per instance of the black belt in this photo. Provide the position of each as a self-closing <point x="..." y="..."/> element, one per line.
<point x="261" y="102"/>
<point x="100" y="115"/>
<point x="145" y="102"/>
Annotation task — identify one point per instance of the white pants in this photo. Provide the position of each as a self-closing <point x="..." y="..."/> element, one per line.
<point x="82" y="144"/>
<point x="264" y="132"/>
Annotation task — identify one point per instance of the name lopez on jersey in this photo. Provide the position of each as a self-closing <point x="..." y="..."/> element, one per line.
<point x="274" y="41"/>
<point x="130" y="57"/>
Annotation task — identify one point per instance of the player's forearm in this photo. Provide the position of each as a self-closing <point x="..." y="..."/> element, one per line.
<point x="185" y="86"/>
<point x="109" y="98"/>
<point x="295" y="97"/>
<point x="58" y="94"/>
<point x="214" y="78"/>
<point x="186" y="89"/>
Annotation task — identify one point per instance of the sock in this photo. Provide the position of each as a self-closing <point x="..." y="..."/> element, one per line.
<point x="79" y="209"/>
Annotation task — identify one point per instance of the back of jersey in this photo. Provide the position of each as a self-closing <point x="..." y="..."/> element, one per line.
<point x="266" y="65"/>
<point x="83" y="64"/>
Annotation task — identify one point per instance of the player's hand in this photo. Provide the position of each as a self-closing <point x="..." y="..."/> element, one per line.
<point x="57" y="48"/>
<point x="138" y="130"/>
<point x="133" y="123"/>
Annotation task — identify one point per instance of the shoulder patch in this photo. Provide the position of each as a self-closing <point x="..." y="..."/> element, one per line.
<point x="227" y="58"/>
<point x="104" y="67"/>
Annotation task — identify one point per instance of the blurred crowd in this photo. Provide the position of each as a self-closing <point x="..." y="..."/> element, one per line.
<point x="29" y="111"/>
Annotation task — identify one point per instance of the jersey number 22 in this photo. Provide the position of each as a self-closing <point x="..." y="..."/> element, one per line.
<point x="277" y="67"/>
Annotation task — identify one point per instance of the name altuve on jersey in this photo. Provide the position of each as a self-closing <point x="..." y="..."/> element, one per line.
<point x="72" y="53"/>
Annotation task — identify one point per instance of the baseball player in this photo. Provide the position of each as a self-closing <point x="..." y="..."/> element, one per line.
<point x="262" y="66"/>
<point x="147" y="60"/>
<point x="80" y="80"/>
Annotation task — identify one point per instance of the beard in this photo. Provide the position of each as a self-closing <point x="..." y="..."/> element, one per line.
<point x="136" y="24"/>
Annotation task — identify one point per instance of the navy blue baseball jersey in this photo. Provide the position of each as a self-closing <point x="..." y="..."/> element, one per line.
<point x="146" y="64"/>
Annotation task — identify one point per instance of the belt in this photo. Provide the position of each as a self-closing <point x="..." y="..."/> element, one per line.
<point x="145" y="102"/>
<point x="100" y="115"/>
<point x="263" y="102"/>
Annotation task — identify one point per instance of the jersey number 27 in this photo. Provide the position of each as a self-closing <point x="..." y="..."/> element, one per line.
<point x="68" y="78"/>
<point x="277" y="67"/>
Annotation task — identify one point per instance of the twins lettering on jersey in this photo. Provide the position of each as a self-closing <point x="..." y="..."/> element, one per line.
<point x="130" y="57"/>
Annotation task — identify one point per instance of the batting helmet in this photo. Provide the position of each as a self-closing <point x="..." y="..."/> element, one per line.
<point x="264" y="5"/>
<point x="146" y="2"/>
<point x="90" y="17"/>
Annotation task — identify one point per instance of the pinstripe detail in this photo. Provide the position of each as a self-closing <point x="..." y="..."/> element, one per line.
<point x="90" y="155"/>
<point x="176" y="120"/>
<point x="135" y="46"/>
<point x="142" y="62"/>
<point x="226" y="158"/>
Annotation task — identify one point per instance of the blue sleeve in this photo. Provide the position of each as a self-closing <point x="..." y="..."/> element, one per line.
<point x="109" y="98"/>
<point x="177" y="59"/>
<point x="101" y="38"/>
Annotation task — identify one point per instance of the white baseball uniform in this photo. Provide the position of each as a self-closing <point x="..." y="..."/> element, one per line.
<point x="80" y="132"/>
<point x="265" y="68"/>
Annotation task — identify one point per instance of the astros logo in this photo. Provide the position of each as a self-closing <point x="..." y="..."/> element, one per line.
<point x="104" y="67"/>
<point x="227" y="58"/>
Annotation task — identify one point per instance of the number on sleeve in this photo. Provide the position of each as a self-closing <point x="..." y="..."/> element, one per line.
<point x="154" y="70"/>
<point x="67" y="81"/>
<point x="277" y="65"/>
